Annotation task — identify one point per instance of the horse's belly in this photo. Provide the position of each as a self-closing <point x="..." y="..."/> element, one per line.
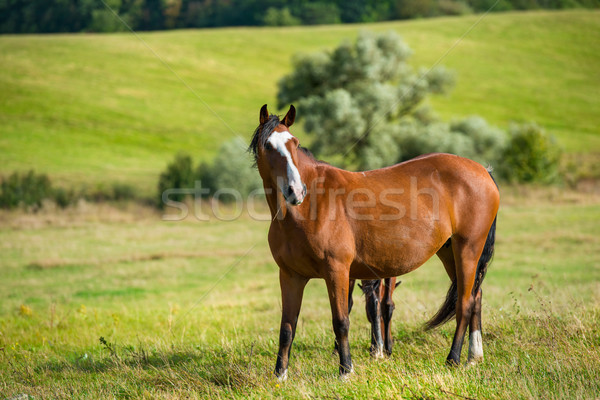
<point x="389" y="260"/>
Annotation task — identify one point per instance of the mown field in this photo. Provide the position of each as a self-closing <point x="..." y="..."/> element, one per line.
<point x="89" y="109"/>
<point x="191" y="309"/>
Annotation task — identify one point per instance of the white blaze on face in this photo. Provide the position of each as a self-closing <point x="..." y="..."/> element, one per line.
<point x="278" y="141"/>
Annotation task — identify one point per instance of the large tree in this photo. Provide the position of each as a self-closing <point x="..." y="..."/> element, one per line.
<point x="353" y="98"/>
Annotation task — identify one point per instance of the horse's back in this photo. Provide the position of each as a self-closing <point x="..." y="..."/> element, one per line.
<point x="427" y="200"/>
<point x="445" y="172"/>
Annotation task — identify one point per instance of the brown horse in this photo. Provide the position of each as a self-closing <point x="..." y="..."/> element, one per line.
<point x="339" y="225"/>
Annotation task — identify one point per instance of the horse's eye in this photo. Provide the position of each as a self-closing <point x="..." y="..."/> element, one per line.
<point x="268" y="146"/>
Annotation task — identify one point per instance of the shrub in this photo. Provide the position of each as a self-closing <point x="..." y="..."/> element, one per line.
<point x="318" y="13"/>
<point x="28" y="189"/>
<point x="488" y="141"/>
<point x="415" y="9"/>
<point x="123" y="191"/>
<point x="116" y="191"/>
<point x="232" y="169"/>
<point x="31" y="189"/>
<point x="437" y="137"/>
<point x="178" y="175"/>
<point x="530" y="156"/>
<point x="451" y="7"/>
<point x="280" y="17"/>
<point x="103" y="20"/>
<point x="64" y="197"/>
<point x="471" y="137"/>
<point x="494" y="5"/>
<point x="205" y="174"/>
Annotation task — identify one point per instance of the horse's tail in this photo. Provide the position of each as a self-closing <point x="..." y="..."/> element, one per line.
<point x="486" y="257"/>
<point x="448" y="309"/>
<point x="488" y="250"/>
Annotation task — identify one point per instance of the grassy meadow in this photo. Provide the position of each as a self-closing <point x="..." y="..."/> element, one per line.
<point x="191" y="309"/>
<point x="111" y="301"/>
<point x="96" y="108"/>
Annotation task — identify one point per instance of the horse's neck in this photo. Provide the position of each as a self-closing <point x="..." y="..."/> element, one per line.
<point x="274" y="198"/>
<point x="307" y="168"/>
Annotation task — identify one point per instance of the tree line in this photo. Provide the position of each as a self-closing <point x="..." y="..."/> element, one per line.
<point x="43" y="16"/>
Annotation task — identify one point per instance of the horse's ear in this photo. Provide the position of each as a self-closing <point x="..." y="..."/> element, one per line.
<point x="264" y="114"/>
<point x="289" y="118"/>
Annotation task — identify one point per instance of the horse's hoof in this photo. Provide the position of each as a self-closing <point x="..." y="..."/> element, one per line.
<point x="345" y="376"/>
<point x="283" y="376"/>
<point x="474" y="360"/>
<point x="378" y="353"/>
<point x="451" y="363"/>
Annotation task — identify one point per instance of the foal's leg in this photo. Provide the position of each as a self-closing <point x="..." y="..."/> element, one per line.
<point x="387" y="309"/>
<point x="350" y="304"/>
<point x="337" y="286"/>
<point x="292" y="288"/>
<point x="475" y="340"/>
<point x="466" y="257"/>
<point x="373" y="294"/>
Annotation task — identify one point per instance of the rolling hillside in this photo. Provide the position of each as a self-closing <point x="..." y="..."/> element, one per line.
<point x="88" y="109"/>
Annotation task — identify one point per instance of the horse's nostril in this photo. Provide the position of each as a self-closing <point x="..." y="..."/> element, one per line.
<point x="289" y="191"/>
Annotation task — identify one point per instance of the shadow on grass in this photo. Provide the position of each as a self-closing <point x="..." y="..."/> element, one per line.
<point x="163" y="369"/>
<point x="90" y="364"/>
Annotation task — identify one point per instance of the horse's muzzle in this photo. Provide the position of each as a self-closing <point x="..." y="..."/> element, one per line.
<point x="294" y="196"/>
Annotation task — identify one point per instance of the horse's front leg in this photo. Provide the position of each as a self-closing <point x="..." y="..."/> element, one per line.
<point x="350" y="303"/>
<point x="337" y="286"/>
<point x="292" y="288"/>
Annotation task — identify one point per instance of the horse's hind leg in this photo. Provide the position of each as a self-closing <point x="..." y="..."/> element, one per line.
<point x="446" y="255"/>
<point x="475" y="339"/>
<point x="466" y="255"/>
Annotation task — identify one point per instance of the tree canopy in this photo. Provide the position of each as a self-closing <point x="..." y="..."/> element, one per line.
<point x="353" y="98"/>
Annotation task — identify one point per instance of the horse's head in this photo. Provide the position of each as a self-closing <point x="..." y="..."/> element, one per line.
<point x="276" y="154"/>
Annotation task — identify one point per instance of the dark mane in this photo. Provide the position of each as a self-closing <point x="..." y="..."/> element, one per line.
<point x="261" y="135"/>
<point x="308" y="153"/>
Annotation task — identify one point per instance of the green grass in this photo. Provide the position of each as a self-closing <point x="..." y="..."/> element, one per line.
<point x="173" y="329"/>
<point x="90" y="109"/>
